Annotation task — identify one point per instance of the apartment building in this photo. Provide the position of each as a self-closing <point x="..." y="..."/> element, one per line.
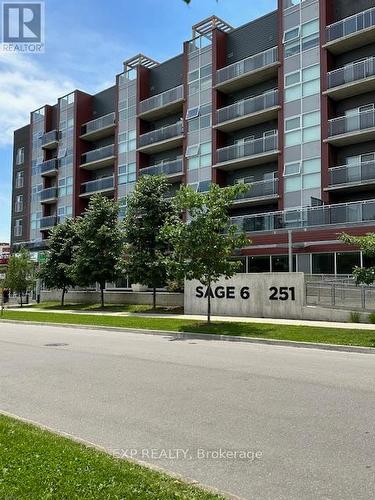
<point x="285" y="102"/>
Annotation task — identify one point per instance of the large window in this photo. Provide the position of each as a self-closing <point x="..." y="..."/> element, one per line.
<point x="280" y="263"/>
<point x="323" y="263"/>
<point x="20" y="156"/>
<point x="347" y="261"/>
<point x="260" y="264"/>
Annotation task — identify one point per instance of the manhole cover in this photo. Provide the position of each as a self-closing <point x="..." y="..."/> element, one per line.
<point x="57" y="344"/>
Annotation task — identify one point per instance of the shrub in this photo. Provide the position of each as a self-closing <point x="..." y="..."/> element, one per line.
<point x="355" y="317"/>
<point x="371" y="318"/>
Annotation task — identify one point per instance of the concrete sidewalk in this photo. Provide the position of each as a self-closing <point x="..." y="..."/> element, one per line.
<point x="292" y="322"/>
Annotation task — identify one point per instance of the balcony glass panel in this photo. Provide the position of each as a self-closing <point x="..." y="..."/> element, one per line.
<point x="170" y="168"/>
<point x="352" y="24"/>
<point x="49" y="166"/>
<point x="160" y="100"/>
<point x="98" y="123"/>
<point x="346" y="174"/>
<point x="351" y="123"/>
<point x="352" y="72"/>
<point x="248" y="106"/>
<point x="48" y="194"/>
<point x="259" y="189"/>
<point x="247" y="65"/>
<point x="98" y="154"/>
<point x="49" y="137"/>
<point x="47" y="222"/>
<point x="161" y="134"/>
<point x="97" y="185"/>
<point x="250" y="148"/>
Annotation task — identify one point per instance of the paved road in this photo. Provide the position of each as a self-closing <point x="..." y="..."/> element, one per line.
<point x="310" y="413"/>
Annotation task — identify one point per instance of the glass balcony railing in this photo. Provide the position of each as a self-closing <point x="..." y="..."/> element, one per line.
<point x="169" y="168"/>
<point x="48" y="222"/>
<point x="48" y="194"/>
<point x="50" y="138"/>
<point x="161" y="134"/>
<point x="98" y="124"/>
<point x="354" y="122"/>
<point x="160" y="100"/>
<point x="343" y="213"/>
<point x="352" y="24"/>
<point x="97" y="185"/>
<point x="260" y="189"/>
<point x="248" y="106"/>
<point x="49" y="166"/>
<point x="247" y="65"/>
<point x="352" y="73"/>
<point x="347" y="174"/>
<point x="246" y="149"/>
<point x="98" y="154"/>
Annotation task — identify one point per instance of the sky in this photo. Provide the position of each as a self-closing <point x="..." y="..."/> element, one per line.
<point x="86" y="43"/>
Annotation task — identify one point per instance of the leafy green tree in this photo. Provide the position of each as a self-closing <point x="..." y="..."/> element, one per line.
<point x="365" y="275"/>
<point x="56" y="272"/>
<point x="148" y="209"/>
<point x="20" y="274"/>
<point x="97" y="255"/>
<point x="203" y="246"/>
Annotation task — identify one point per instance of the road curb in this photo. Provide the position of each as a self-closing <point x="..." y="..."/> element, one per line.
<point x="208" y="336"/>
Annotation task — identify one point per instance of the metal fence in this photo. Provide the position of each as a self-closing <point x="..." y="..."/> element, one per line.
<point x="342" y="294"/>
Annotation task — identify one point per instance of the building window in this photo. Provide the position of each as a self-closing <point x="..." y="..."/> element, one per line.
<point x="20" y="156"/>
<point x="280" y="263"/>
<point x="261" y="264"/>
<point x="347" y="261"/>
<point x="18" y="227"/>
<point x="323" y="263"/>
<point x="18" y="206"/>
<point x="19" y="179"/>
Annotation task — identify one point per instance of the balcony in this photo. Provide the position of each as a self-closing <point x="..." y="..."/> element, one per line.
<point x="48" y="222"/>
<point x="259" y="193"/>
<point x="99" y="128"/>
<point x="348" y="177"/>
<point x="352" y="32"/>
<point x="174" y="170"/>
<point x="48" y="195"/>
<point x="98" y="158"/>
<point x="49" y="168"/>
<point x="353" y="79"/>
<point x="255" y="69"/>
<point x="161" y="139"/>
<point x="248" y="112"/>
<point x="342" y="214"/>
<point x="50" y="140"/>
<point x="352" y="128"/>
<point x="168" y="103"/>
<point x="254" y="152"/>
<point x="104" y="185"/>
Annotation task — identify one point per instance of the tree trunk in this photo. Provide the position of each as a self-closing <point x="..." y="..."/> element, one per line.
<point x="209" y="303"/>
<point x="63" y="297"/>
<point x="154" y="298"/>
<point x="102" y="295"/>
<point x="21" y="299"/>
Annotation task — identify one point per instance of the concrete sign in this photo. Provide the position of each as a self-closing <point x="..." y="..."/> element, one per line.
<point x="263" y="295"/>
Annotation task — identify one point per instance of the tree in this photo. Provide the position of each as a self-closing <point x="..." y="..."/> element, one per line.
<point x="56" y="272"/>
<point x="203" y="246"/>
<point x="367" y="245"/>
<point x="21" y="273"/>
<point x="148" y="209"/>
<point x="99" y="246"/>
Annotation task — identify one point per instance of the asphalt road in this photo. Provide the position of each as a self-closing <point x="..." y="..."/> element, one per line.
<point x="304" y="417"/>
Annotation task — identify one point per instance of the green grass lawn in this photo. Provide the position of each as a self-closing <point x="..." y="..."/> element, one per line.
<point x="266" y="331"/>
<point x="36" y="464"/>
<point x="129" y="308"/>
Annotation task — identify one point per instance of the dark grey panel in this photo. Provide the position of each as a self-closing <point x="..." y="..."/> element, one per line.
<point x="354" y="55"/>
<point x="164" y="122"/>
<point x="346" y="8"/>
<point x="167" y="75"/>
<point x="256" y="171"/>
<point x="100" y="143"/>
<point x="255" y="90"/>
<point x="255" y="130"/>
<point x="252" y="38"/>
<point x="21" y="140"/>
<point x="340" y="197"/>
<point x="104" y="102"/>
<point x="353" y="150"/>
<point x="272" y="207"/>
<point x="354" y="102"/>
<point x="165" y="155"/>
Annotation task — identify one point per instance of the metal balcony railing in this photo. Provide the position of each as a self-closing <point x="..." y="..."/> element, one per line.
<point x="352" y="72"/>
<point x="248" y="106"/>
<point x="49" y="137"/>
<point x="161" y="134"/>
<point x="351" y="123"/>
<point x="246" y="149"/>
<point x="259" y="189"/>
<point x="169" y="168"/>
<point x="352" y="24"/>
<point x="48" y="194"/>
<point x="343" y="213"/>
<point x="98" y="154"/>
<point x="97" y="185"/>
<point x="49" y="166"/>
<point x="347" y="174"/>
<point x="247" y="65"/>
<point x="98" y="124"/>
<point x="48" y="222"/>
<point x="160" y="100"/>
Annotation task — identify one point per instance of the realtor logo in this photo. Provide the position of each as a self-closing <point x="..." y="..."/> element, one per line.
<point x="23" y="27"/>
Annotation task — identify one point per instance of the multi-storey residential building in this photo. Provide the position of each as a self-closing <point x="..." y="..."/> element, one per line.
<point x="285" y="102"/>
